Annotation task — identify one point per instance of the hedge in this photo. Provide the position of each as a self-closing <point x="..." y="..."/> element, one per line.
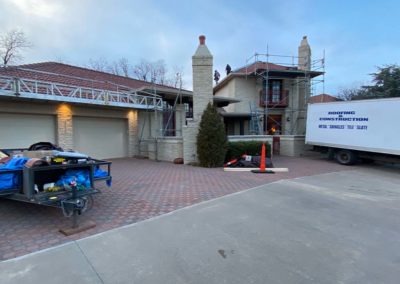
<point x="253" y="148"/>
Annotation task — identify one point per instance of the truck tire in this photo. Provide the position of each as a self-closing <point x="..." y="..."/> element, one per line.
<point x="346" y="157"/>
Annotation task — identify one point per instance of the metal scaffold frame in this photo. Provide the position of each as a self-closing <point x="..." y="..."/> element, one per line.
<point x="51" y="91"/>
<point x="305" y="81"/>
<point x="161" y="131"/>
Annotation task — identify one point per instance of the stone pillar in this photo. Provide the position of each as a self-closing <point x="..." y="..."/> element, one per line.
<point x="133" y="133"/>
<point x="179" y="119"/>
<point x="202" y="64"/>
<point x="65" y="127"/>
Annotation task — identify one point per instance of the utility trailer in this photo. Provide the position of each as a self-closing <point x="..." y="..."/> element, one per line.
<point x="29" y="184"/>
<point x="352" y="130"/>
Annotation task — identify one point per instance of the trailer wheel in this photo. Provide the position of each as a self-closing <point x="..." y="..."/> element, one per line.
<point x="89" y="201"/>
<point x="346" y="157"/>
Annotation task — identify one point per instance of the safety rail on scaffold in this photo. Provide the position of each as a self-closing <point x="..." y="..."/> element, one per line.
<point x="44" y="90"/>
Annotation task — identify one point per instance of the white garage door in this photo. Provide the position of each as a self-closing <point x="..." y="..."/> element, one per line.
<point x="22" y="130"/>
<point x="101" y="138"/>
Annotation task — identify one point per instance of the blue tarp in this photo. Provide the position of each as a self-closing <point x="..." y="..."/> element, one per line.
<point x="98" y="173"/>
<point x="81" y="177"/>
<point x="11" y="180"/>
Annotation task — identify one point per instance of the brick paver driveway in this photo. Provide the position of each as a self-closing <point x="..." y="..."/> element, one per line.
<point x="141" y="189"/>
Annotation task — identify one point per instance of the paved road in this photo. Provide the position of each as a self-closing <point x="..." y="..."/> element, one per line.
<point x="338" y="227"/>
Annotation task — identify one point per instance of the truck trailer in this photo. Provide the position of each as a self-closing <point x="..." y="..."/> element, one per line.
<point x="350" y="131"/>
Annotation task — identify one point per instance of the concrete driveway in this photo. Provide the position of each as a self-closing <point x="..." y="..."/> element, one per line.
<point x="340" y="227"/>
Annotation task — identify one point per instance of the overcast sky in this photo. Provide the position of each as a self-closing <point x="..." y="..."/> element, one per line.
<point x="357" y="36"/>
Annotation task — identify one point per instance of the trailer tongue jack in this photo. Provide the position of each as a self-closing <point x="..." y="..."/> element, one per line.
<point x="73" y="208"/>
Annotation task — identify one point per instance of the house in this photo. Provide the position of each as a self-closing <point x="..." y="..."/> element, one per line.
<point x="273" y="97"/>
<point x="97" y="113"/>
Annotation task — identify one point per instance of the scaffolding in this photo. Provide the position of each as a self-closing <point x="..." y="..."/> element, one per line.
<point x="302" y="80"/>
<point x="21" y="87"/>
<point x="255" y="121"/>
<point x="165" y="112"/>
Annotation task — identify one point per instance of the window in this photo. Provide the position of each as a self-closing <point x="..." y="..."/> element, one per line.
<point x="276" y="91"/>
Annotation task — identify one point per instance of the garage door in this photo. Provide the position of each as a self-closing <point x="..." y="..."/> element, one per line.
<point x="22" y="130"/>
<point x="101" y="138"/>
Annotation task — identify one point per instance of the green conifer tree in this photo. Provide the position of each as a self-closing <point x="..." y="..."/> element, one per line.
<point x="211" y="139"/>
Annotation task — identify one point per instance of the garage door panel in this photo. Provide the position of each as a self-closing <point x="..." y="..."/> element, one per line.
<point x="23" y="130"/>
<point x="100" y="137"/>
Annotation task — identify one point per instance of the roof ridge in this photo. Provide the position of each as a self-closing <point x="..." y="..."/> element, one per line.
<point x="259" y="62"/>
<point x="79" y="67"/>
<point x="27" y="66"/>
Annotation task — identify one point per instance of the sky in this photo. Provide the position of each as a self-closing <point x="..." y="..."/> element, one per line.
<point x="355" y="36"/>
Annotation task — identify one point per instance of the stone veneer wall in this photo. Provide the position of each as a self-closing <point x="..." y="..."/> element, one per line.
<point x="133" y="133"/>
<point x="65" y="127"/>
<point x="290" y="145"/>
<point x="165" y="149"/>
<point x="189" y="134"/>
<point x="293" y="145"/>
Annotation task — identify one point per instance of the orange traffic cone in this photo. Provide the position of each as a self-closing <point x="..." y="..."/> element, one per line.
<point x="262" y="163"/>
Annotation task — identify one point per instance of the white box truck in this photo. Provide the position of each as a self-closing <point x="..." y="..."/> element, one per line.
<point x="353" y="130"/>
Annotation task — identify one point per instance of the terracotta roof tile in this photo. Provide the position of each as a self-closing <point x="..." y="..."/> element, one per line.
<point x="76" y="76"/>
<point x="323" y="98"/>
<point x="259" y="65"/>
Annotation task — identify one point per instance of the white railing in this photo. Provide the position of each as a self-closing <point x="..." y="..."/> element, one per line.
<point x="38" y="89"/>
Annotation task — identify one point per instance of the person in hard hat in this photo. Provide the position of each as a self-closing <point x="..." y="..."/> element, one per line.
<point x="216" y="76"/>
<point x="228" y="69"/>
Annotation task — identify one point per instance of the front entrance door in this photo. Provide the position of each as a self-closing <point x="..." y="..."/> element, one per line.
<point x="274" y="124"/>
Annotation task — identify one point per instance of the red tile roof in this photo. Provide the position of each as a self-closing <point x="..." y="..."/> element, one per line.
<point x="323" y="98"/>
<point x="259" y="65"/>
<point x="76" y="76"/>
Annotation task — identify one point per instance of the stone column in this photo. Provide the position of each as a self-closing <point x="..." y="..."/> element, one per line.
<point x="202" y="64"/>
<point x="133" y="133"/>
<point x="179" y="119"/>
<point x="65" y="127"/>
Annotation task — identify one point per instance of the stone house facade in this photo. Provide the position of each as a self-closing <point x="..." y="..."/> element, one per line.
<point x="101" y="114"/>
<point x="273" y="97"/>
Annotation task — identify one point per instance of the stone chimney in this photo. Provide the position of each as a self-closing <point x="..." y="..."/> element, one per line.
<point x="202" y="64"/>
<point x="304" y="61"/>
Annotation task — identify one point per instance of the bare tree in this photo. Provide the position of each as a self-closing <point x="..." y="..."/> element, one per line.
<point x="176" y="81"/>
<point x="124" y="66"/>
<point x="154" y="72"/>
<point x="114" y="68"/>
<point x="118" y="67"/>
<point x="11" y="45"/>
<point x="142" y="70"/>
<point x="158" y="72"/>
<point x="100" y="64"/>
